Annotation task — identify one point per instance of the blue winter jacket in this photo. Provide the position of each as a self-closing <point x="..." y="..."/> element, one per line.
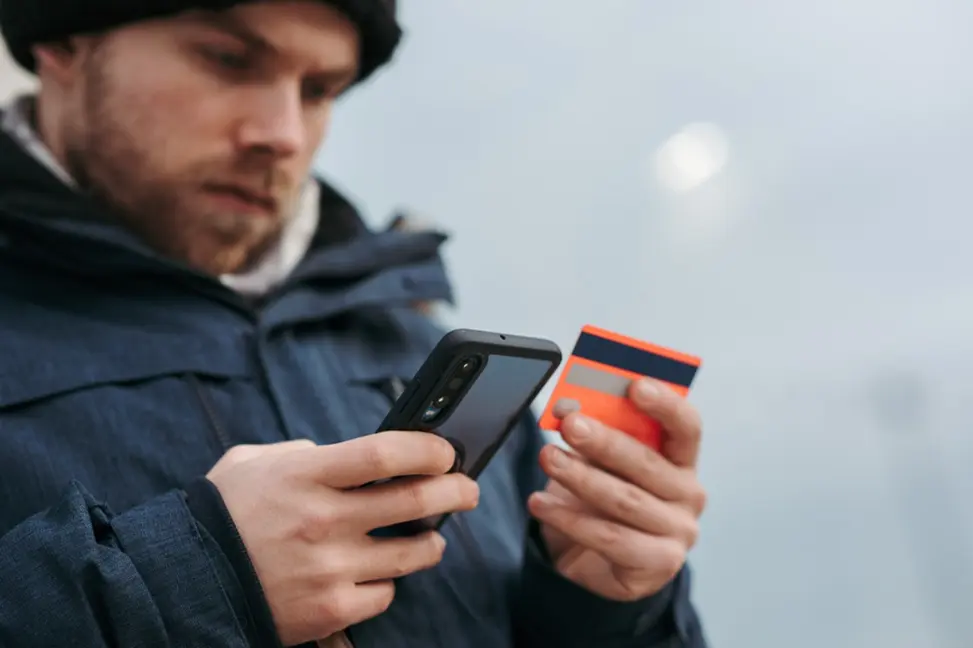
<point x="124" y="376"/>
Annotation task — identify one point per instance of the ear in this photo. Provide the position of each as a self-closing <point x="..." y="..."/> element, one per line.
<point x="59" y="61"/>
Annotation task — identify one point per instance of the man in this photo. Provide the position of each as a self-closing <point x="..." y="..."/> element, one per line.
<point x="196" y="342"/>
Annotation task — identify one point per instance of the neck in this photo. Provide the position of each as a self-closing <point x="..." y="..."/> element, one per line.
<point x="45" y="115"/>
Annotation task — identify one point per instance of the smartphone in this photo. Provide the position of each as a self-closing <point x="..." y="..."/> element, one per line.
<point x="471" y="390"/>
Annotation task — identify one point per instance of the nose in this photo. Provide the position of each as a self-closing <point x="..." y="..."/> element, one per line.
<point x="274" y="121"/>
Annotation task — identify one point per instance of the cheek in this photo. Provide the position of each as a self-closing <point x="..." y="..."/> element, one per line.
<point x="178" y="125"/>
<point x="316" y="127"/>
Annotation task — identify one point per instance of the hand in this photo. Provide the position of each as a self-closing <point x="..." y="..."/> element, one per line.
<point x="618" y="517"/>
<point x="305" y="522"/>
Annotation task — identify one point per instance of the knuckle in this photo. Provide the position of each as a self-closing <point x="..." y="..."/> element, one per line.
<point x="417" y="495"/>
<point x="328" y="567"/>
<point x="380" y="457"/>
<point x="631" y="502"/>
<point x="652" y="465"/>
<point x="698" y="499"/>
<point x="240" y="453"/>
<point x="337" y="606"/>
<point x="631" y="591"/>
<point x="383" y="602"/>
<point x="607" y="534"/>
<point x="314" y="522"/>
<point x="691" y="532"/>
<point x="403" y="563"/>
<point x="423" y="553"/>
<point x="668" y="407"/>
<point x="671" y="558"/>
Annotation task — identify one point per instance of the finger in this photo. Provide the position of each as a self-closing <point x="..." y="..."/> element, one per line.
<point x="555" y="488"/>
<point x="347" y="606"/>
<point x="390" y="558"/>
<point x="618" y="499"/>
<point x="621" y="545"/>
<point x="405" y="500"/>
<point x="379" y="456"/>
<point x="635" y="462"/>
<point x="681" y="424"/>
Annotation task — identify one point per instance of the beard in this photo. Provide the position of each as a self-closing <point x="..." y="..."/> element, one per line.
<point x="116" y="153"/>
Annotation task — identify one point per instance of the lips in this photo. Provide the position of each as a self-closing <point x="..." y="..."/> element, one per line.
<point x="256" y="199"/>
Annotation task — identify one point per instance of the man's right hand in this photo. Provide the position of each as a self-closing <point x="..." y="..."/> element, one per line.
<point x="305" y="521"/>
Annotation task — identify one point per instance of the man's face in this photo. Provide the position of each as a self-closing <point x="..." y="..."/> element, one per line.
<point x="199" y="130"/>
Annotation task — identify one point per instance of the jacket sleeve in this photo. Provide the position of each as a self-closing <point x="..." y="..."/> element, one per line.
<point x="152" y="576"/>
<point x="554" y="611"/>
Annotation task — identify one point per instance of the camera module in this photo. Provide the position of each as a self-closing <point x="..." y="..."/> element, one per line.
<point x="435" y="409"/>
<point x="468" y="365"/>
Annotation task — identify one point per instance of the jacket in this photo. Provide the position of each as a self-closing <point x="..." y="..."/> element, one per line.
<point x="124" y="376"/>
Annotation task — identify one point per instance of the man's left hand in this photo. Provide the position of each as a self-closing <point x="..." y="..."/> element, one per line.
<point x="618" y="518"/>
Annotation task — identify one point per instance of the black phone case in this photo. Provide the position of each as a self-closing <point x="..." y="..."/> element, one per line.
<point x="500" y="392"/>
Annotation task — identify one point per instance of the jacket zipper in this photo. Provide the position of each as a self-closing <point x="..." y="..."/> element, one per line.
<point x="214" y="421"/>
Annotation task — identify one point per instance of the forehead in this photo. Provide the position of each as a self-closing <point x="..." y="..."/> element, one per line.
<point x="307" y="32"/>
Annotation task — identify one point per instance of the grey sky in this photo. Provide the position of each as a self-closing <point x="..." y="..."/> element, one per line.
<point x="824" y="275"/>
<point x="826" y="264"/>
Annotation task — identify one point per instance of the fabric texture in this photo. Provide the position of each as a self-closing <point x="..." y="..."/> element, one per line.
<point x="125" y="376"/>
<point x="25" y="23"/>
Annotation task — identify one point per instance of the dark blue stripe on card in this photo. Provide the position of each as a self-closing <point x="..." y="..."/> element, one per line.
<point x="626" y="358"/>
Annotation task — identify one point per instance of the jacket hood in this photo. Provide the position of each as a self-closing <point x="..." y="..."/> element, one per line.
<point x="43" y="221"/>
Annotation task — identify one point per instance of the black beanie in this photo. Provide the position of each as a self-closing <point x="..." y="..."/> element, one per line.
<point x="26" y="23"/>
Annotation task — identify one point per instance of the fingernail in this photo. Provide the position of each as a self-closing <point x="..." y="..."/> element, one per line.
<point x="545" y="499"/>
<point x="581" y="429"/>
<point x="558" y="458"/>
<point x="646" y="389"/>
<point x="565" y="406"/>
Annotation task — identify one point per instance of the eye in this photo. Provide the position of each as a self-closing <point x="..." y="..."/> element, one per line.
<point x="315" y="91"/>
<point x="227" y="59"/>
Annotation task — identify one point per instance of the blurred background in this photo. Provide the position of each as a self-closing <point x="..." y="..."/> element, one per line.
<point x="782" y="188"/>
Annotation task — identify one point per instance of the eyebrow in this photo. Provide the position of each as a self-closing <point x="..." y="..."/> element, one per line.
<point x="233" y="26"/>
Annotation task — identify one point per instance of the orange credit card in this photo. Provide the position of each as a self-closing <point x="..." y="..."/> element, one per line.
<point x="597" y="375"/>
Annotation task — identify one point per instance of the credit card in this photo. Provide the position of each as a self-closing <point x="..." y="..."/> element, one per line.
<point x="597" y="375"/>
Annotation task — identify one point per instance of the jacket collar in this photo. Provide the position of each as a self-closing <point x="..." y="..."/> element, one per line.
<point x="43" y="220"/>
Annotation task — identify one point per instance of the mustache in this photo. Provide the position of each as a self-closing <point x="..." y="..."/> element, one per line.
<point x="270" y="187"/>
<point x="269" y="182"/>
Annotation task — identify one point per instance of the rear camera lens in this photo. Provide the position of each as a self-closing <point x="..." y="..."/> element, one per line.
<point x="468" y="365"/>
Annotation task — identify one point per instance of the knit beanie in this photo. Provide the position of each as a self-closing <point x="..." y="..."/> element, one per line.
<point x="25" y="23"/>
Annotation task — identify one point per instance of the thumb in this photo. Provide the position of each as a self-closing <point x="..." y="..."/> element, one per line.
<point x="681" y="424"/>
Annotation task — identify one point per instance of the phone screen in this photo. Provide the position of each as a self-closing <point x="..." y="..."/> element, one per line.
<point x="476" y="423"/>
